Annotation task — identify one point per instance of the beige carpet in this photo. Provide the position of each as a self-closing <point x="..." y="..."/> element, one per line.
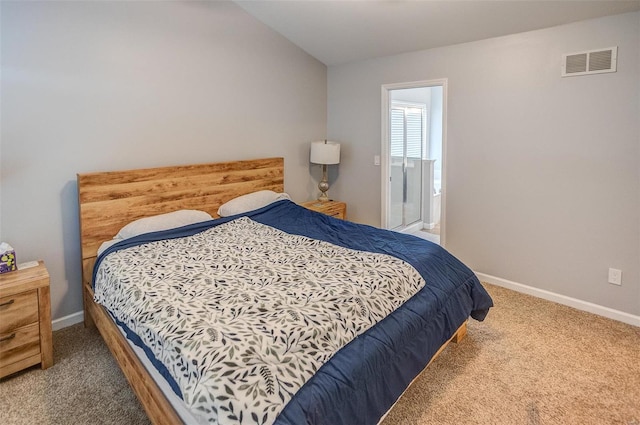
<point x="530" y="362"/>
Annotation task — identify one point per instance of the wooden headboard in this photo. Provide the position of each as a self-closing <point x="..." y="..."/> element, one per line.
<point x="109" y="200"/>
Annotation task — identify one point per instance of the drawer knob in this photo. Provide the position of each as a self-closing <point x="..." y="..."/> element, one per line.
<point x="7" y="303"/>
<point x="6" y="338"/>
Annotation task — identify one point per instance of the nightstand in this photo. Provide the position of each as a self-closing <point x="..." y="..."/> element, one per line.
<point x="335" y="209"/>
<point x="25" y="319"/>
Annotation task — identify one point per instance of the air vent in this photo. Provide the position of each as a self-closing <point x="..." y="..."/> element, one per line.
<point x="589" y="62"/>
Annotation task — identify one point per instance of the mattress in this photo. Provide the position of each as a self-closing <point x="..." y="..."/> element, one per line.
<point x="366" y="372"/>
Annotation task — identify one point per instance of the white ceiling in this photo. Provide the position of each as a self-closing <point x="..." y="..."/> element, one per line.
<point x="337" y="32"/>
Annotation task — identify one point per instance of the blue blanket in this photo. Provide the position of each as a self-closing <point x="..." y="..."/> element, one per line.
<point x="361" y="382"/>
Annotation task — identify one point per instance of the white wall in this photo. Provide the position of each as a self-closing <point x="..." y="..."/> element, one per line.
<point x="435" y="134"/>
<point x="93" y="86"/>
<point x="543" y="172"/>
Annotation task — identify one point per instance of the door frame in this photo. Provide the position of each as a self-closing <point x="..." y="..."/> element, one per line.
<point x="384" y="151"/>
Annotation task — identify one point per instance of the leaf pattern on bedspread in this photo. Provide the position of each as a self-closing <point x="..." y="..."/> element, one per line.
<point x="242" y="314"/>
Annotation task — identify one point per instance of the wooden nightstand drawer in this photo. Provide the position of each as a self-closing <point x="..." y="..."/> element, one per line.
<point x="25" y="319"/>
<point x="20" y="344"/>
<point x="18" y="310"/>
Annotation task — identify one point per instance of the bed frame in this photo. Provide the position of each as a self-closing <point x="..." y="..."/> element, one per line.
<point x="109" y="200"/>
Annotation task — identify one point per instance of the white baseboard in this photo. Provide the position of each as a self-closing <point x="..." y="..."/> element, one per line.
<point x="67" y="321"/>
<point x="610" y="313"/>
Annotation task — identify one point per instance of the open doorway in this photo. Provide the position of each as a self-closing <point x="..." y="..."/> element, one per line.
<point x="413" y="163"/>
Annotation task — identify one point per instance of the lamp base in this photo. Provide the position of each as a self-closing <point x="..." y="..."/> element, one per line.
<point x="323" y="185"/>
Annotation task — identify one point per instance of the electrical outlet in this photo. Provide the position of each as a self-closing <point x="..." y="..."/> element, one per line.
<point x="615" y="276"/>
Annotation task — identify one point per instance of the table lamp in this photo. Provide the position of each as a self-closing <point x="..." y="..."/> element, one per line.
<point x="324" y="153"/>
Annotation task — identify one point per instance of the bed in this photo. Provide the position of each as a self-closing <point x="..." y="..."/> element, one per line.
<point x="385" y="335"/>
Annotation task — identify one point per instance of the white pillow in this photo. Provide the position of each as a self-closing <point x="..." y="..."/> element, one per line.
<point x="162" y="222"/>
<point x="107" y="244"/>
<point x="250" y="202"/>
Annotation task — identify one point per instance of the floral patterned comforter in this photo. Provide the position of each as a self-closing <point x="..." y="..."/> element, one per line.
<point x="243" y="314"/>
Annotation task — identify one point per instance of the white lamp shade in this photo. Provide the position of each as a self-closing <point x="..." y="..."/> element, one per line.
<point x="325" y="152"/>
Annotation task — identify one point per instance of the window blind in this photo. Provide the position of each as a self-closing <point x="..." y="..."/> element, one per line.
<point x="407" y="129"/>
<point x="414" y="132"/>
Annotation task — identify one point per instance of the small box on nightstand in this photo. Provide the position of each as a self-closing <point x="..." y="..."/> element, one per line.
<point x="7" y="258"/>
